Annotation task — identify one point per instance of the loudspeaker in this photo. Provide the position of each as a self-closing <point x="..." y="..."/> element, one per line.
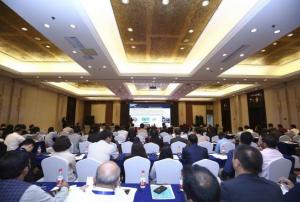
<point x="89" y="120"/>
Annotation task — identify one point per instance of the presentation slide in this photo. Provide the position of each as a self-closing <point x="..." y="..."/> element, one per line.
<point x="150" y="114"/>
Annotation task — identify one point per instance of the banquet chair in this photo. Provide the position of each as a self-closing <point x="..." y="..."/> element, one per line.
<point x="163" y="134"/>
<point x="84" y="147"/>
<point x="151" y="148"/>
<point x="279" y="168"/>
<point x="253" y="144"/>
<point x="141" y="138"/>
<point x="86" y="168"/>
<point x="51" y="166"/>
<point x="227" y="146"/>
<point x="133" y="168"/>
<point x="215" y="138"/>
<point x="212" y="166"/>
<point x="283" y="138"/>
<point x="126" y="147"/>
<point x="177" y="147"/>
<point x="208" y="145"/>
<point x="167" y="139"/>
<point x="168" y="171"/>
<point x="296" y="138"/>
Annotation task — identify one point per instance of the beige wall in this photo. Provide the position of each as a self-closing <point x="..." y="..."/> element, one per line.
<point x="199" y="110"/>
<point x="217" y="113"/>
<point x="98" y="111"/>
<point x="79" y="111"/>
<point x="116" y="112"/>
<point x="181" y="113"/>
<point x="239" y="111"/>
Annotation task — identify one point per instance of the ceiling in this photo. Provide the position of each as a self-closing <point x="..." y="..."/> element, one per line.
<point x="184" y="50"/>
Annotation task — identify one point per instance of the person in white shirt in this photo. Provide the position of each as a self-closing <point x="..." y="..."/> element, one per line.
<point x="13" y="140"/>
<point x="121" y="135"/>
<point x="49" y="138"/>
<point x="294" y="130"/>
<point x="269" y="153"/>
<point x="62" y="149"/>
<point x="106" y="187"/>
<point x="248" y="129"/>
<point x="104" y="149"/>
<point x="142" y="131"/>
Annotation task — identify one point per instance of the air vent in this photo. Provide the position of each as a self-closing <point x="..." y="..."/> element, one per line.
<point x="236" y="53"/>
<point x="74" y="42"/>
<point x="88" y="53"/>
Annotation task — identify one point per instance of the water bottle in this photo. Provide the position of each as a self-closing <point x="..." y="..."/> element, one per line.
<point x="143" y="180"/>
<point x="39" y="150"/>
<point x="60" y="178"/>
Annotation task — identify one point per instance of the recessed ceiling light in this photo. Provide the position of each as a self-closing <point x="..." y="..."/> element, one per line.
<point x="265" y="79"/>
<point x="59" y="77"/>
<point x="89" y="66"/>
<point x="72" y="26"/>
<point x="81" y="77"/>
<point x="242" y="55"/>
<point x="46" y="25"/>
<point x="207" y="68"/>
<point x="24" y="29"/>
<point x="47" y="46"/>
<point x="253" y="30"/>
<point x="221" y="68"/>
<point x="290" y="35"/>
<point x="131" y="77"/>
<point x="87" y="80"/>
<point x="205" y="3"/>
<point x="245" y="79"/>
<point x="74" y="51"/>
<point x="37" y="38"/>
<point x="130" y="29"/>
<point x="37" y="77"/>
<point x="131" y="39"/>
<point x="275" y="43"/>
<point x="186" y="40"/>
<point x="191" y="31"/>
<point x="237" y="82"/>
<point x="224" y="79"/>
<point x="263" y="50"/>
<point x="125" y="1"/>
<point x="165" y="2"/>
<point x="181" y="48"/>
<point x="218" y="81"/>
<point x="133" y="47"/>
<point x="277" y="31"/>
<point x="66" y="80"/>
<point x="224" y="55"/>
<point x="153" y="81"/>
<point x="104" y="66"/>
<point x="154" y="78"/>
<point x="176" y="78"/>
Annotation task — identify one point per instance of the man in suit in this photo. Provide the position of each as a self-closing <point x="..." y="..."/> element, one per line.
<point x="193" y="152"/>
<point x="177" y="137"/>
<point x="248" y="186"/>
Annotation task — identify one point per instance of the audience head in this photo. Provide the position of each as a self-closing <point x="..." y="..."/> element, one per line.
<point x="50" y="129"/>
<point x="142" y="125"/>
<point x="117" y="128"/>
<point x="247" y="159"/>
<point x="106" y="135"/>
<point x="193" y="139"/>
<point x="108" y="175"/>
<point x="177" y="131"/>
<point x="198" y="130"/>
<point x="165" y="152"/>
<point x="293" y="126"/>
<point x="138" y="149"/>
<point x="28" y="144"/>
<point x="279" y="126"/>
<point x="14" y="165"/>
<point x="270" y="125"/>
<point x="240" y="129"/>
<point x="18" y="129"/>
<point x="200" y="185"/>
<point x="61" y="143"/>
<point x="246" y="127"/>
<point x="269" y="140"/>
<point x="35" y="130"/>
<point x="246" y="138"/>
<point x="221" y="135"/>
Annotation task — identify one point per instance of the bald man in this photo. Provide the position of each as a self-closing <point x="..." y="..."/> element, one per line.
<point x="106" y="187"/>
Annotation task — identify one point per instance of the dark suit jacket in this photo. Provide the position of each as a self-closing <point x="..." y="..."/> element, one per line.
<point x="293" y="195"/>
<point x="193" y="153"/>
<point x="250" y="188"/>
<point x="178" y="138"/>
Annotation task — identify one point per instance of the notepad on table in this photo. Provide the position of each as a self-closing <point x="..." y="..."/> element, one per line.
<point x="219" y="156"/>
<point x="168" y="194"/>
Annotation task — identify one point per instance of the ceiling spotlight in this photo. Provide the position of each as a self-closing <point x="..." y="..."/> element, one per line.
<point x="224" y="55"/>
<point x="186" y="40"/>
<point x="37" y="77"/>
<point x="47" y="26"/>
<point x="24" y="29"/>
<point x="89" y="66"/>
<point x="59" y="77"/>
<point x="153" y="81"/>
<point x="47" y="46"/>
<point x="191" y="31"/>
<point x="290" y="35"/>
<point x="74" y="51"/>
<point x="37" y="38"/>
<point x="72" y="26"/>
<point x="277" y="31"/>
<point x="245" y="79"/>
<point x="81" y="77"/>
<point x="176" y="78"/>
<point x="181" y="48"/>
<point x="224" y="79"/>
<point x="131" y="39"/>
<point x="87" y="80"/>
<point x="265" y="79"/>
<point x="242" y="55"/>
<point x="165" y="2"/>
<point x="154" y="78"/>
<point x="275" y="43"/>
<point x="130" y="29"/>
<point x="131" y="77"/>
<point x="104" y="66"/>
<point x="133" y="47"/>
<point x="66" y="80"/>
<point x="218" y="82"/>
<point x="205" y="3"/>
<point x="253" y="30"/>
<point x="125" y="1"/>
<point x="263" y="50"/>
<point x="207" y="68"/>
<point x="221" y="68"/>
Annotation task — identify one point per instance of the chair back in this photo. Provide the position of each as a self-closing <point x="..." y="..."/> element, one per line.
<point x="177" y="147"/>
<point x="126" y="147"/>
<point x="296" y="138"/>
<point x="212" y="166"/>
<point x="84" y="147"/>
<point x="51" y="166"/>
<point x="208" y="145"/>
<point x="283" y="138"/>
<point x="165" y="175"/>
<point x="253" y="144"/>
<point x="151" y="148"/>
<point x="279" y="168"/>
<point x="167" y="139"/>
<point x="86" y="168"/>
<point x="133" y="168"/>
<point x="142" y="138"/>
<point x="226" y="147"/>
<point x="215" y="138"/>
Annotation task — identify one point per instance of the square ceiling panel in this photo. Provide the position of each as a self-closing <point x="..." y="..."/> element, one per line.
<point x="160" y="33"/>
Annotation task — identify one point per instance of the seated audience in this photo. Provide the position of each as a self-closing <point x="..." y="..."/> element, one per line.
<point x="104" y="149"/>
<point x="222" y="139"/>
<point x="13" y="140"/>
<point x="50" y="137"/>
<point x="294" y="130"/>
<point x="281" y="129"/>
<point x="200" y="185"/>
<point x="121" y="135"/>
<point x="228" y="170"/>
<point x="75" y="138"/>
<point x="165" y="153"/>
<point x="269" y="152"/>
<point x="137" y="149"/>
<point x="200" y="135"/>
<point x="14" y="166"/>
<point x="94" y="135"/>
<point x="248" y="129"/>
<point x="293" y="194"/>
<point x="61" y="149"/>
<point x="238" y="134"/>
<point x="177" y="137"/>
<point x="193" y="152"/>
<point x="247" y="186"/>
<point x="106" y="186"/>
<point x="3" y="148"/>
<point x="131" y="132"/>
<point x="142" y="131"/>
<point x="154" y="138"/>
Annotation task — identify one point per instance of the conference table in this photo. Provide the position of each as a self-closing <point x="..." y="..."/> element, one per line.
<point x="143" y="195"/>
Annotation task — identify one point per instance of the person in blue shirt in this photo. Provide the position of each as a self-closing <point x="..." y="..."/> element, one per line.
<point x="228" y="170"/>
<point x="222" y="139"/>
